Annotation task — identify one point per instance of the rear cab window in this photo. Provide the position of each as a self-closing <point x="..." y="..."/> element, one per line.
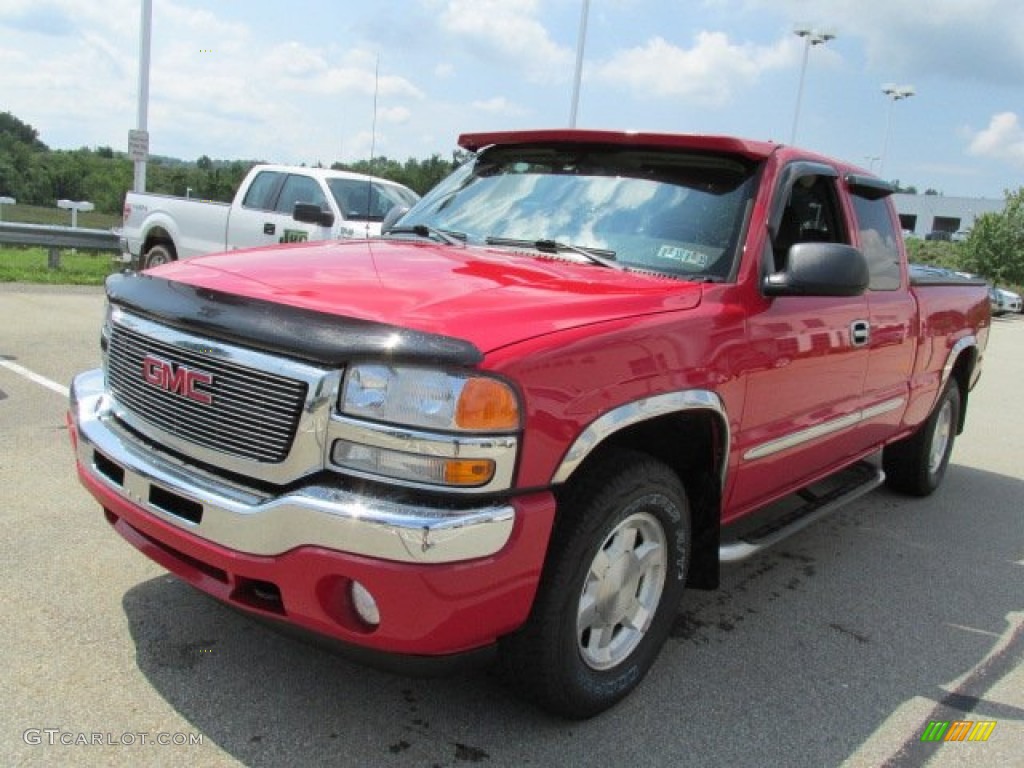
<point x="876" y="232"/>
<point x="262" y="190"/>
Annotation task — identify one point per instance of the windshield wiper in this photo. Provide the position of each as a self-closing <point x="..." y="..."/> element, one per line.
<point x="446" y="236"/>
<point x="600" y="256"/>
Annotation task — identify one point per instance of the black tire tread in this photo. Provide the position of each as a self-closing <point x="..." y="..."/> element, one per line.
<point x="906" y="462"/>
<point x="528" y="657"/>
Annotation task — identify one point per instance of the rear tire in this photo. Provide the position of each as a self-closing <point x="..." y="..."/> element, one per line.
<point x="157" y="255"/>
<point x="610" y="591"/>
<point x="917" y="464"/>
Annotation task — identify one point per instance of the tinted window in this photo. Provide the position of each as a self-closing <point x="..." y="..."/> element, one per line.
<point x="365" y="200"/>
<point x="811" y="216"/>
<point x="261" y="191"/>
<point x="299" y="189"/>
<point x="878" y="242"/>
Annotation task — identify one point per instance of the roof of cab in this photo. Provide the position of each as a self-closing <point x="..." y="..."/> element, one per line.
<point x="325" y="173"/>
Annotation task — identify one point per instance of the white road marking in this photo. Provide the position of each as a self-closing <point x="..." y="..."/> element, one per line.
<point x="34" y="377"/>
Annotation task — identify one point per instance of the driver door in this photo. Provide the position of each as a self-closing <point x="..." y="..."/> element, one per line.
<point x="804" y="385"/>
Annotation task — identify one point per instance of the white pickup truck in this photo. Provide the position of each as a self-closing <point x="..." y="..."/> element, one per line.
<point x="274" y="204"/>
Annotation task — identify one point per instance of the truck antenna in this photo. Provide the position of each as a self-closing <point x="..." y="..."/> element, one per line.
<point x="373" y="126"/>
<point x="373" y="141"/>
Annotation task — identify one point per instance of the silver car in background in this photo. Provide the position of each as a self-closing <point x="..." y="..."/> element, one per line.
<point x="1003" y="301"/>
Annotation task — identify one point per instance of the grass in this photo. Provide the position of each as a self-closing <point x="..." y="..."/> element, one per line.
<point x="36" y="214"/>
<point x="30" y="265"/>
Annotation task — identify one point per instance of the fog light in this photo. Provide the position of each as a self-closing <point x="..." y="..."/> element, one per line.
<point x="364" y="604"/>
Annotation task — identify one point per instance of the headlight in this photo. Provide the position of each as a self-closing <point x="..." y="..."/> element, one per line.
<point x="426" y="428"/>
<point x="429" y="399"/>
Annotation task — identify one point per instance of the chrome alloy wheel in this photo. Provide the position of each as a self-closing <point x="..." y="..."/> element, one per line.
<point x="941" y="436"/>
<point x="621" y="591"/>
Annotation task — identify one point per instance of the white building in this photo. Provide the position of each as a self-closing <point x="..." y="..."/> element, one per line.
<point x="922" y="214"/>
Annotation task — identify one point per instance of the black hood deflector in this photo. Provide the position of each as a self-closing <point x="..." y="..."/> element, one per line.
<point x="305" y="334"/>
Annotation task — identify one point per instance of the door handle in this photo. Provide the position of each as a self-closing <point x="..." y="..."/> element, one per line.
<point x="268" y="228"/>
<point x="860" y="332"/>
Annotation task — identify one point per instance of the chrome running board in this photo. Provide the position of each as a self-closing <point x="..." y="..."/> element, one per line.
<point x="865" y="477"/>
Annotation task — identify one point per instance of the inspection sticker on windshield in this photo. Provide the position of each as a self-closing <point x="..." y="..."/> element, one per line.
<point x="683" y="256"/>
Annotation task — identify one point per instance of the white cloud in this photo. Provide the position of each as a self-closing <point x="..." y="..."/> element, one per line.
<point x="294" y="60"/>
<point x="977" y="40"/>
<point x="508" y="32"/>
<point x="498" y="105"/>
<point x="1003" y="139"/>
<point x="69" y="70"/>
<point x="708" y="73"/>
<point x="394" y="115"/>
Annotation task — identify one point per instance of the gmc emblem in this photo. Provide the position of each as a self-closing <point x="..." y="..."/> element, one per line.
<point x="178" y="380"/>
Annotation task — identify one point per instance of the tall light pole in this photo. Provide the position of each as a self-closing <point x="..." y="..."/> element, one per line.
<point x="895" y="93"/>
<point x="580" y="42"/>
<point x="811" y="37"/>
<point x="138" y="139"/>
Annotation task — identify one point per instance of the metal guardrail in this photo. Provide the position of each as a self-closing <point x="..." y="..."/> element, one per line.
<point x="47" y="236"/>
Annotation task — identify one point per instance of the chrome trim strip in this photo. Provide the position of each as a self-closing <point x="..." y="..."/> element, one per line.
<point x="824" y="429"/>
<point x="887" y="406"/>
<point x="307" y="452"/>
<point x="803" y="436"/>
<point x="501" y="449"/>
<point x="639" y="411"/>
<point x="261" y="524"/>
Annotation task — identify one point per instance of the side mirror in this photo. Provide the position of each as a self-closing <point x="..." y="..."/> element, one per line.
<point x="392" y="216"/>
<point x="310" y="213"/>
<point x="820" y="269"/>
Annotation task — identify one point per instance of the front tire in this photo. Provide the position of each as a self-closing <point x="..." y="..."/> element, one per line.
<point x="610" y="590"/>
<point x="917" y="464"/>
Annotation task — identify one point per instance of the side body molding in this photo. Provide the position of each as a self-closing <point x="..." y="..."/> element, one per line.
<point x="640" y="411"/>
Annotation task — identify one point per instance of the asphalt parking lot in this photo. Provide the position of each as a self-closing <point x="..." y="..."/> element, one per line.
<point x="836" y="648"/>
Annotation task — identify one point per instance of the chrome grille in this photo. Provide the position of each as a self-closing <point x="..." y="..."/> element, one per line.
<point x="253" y="414"/>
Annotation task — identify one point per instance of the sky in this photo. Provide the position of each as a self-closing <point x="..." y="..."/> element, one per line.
<point x="319" y="81"/>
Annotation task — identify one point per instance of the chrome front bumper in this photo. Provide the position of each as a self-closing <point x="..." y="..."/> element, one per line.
<point x="260" y="523"/>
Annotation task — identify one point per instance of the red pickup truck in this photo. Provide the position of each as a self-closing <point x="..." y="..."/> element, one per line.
<point x="580" y="374"/>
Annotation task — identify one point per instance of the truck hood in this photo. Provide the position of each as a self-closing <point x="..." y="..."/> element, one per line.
<point x="489" y="297"/>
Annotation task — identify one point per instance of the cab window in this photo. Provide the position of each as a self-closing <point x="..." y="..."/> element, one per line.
<point x="811" y="215"/>
<point x="299" y="189"/>
<point x="878" y="242"/>
<point x="260" y="195"/>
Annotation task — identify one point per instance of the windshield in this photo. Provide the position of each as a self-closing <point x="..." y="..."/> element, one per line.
<point x="668" y="211"/>
<point x="362" y="200"/>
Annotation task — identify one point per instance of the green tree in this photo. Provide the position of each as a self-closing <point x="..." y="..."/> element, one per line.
<point x="995" y="247"/>
<point x="936" y="252"/>
<point x="22" y="133"/>
<point x="419" y="175"/>
<point x="36" y="175"/>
